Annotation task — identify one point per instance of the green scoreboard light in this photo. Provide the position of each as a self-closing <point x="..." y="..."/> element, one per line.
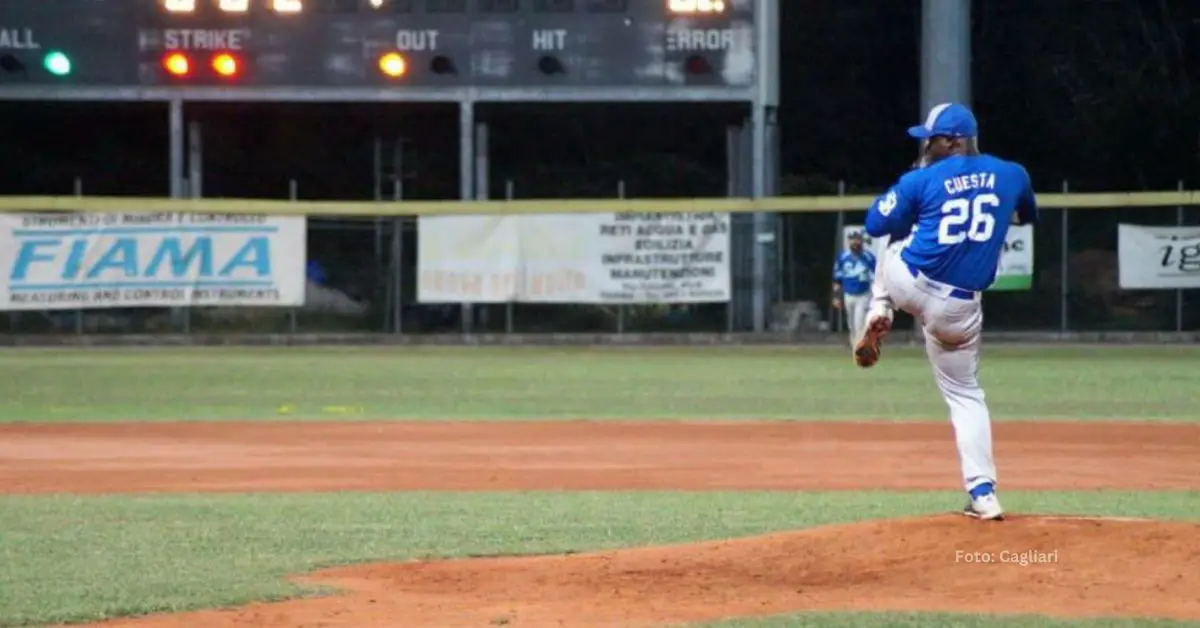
<point x="57" y="63"/>
<point x="22" y="54"/>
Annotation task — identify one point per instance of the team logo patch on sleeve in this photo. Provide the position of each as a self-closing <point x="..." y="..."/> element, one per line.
<point x="888" y="203"/>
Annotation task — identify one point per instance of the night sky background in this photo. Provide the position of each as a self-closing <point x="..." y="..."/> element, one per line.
<point x="1100" y="93"/>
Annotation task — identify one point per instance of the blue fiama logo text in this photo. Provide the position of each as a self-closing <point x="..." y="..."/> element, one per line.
<point x="71" y="255"/>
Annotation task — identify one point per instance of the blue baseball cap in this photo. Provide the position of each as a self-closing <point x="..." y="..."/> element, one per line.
<point x="948" y="119"/>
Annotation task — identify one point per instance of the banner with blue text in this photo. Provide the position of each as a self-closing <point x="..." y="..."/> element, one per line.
<point x="91" y="261"/>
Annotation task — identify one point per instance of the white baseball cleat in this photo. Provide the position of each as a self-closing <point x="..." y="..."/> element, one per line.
<point x="869" y="347"/>
<point x="984" y="504"/>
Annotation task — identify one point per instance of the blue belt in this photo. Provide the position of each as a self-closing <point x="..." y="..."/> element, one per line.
<point x="955" y="293"/>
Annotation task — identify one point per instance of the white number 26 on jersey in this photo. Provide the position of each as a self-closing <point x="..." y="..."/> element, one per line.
<point x="964" y="219"/>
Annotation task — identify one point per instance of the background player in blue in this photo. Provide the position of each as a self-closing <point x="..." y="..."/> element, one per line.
<point x="948" y="221"/>
<point x="853" y="273"/>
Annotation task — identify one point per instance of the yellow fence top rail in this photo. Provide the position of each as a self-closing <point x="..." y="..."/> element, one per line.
<point x="807" y="204"/>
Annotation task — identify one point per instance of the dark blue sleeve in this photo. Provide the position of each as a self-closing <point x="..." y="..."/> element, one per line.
<point x="895" y="213"/>
<point x="1027" y="209"/>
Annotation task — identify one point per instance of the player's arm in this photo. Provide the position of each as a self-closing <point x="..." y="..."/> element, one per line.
<point x="894" y="214"/>
<point x="1027" y="208"/>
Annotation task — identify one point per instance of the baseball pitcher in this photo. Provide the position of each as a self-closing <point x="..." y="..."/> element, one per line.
<point x="949" y="218"/>
<point x="853" y="274"/>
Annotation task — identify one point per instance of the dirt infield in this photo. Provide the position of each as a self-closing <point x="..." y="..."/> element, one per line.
<point x="1072" y="566"/>
<point x="150" y="457"/>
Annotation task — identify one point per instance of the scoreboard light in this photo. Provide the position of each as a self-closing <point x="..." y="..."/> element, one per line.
<point x="225" y="64"/>
<point x="177" y="64"/>
<point x="11" y="65"/>
<point x="57" y="63"/>
<point x="287" y="6"/>
<point x="697" y="64"/>
<point x="442" y="64"/>
<point x="551" y="65"/>
<point x="393" y="65"/>
<point x="696" y="7"/>
<point x="179" y="6"/>
<point x="234" y="6"/>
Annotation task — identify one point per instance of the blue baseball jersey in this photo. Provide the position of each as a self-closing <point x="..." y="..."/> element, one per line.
<point x="957" y="212"/>
<point x="855" y="272"/>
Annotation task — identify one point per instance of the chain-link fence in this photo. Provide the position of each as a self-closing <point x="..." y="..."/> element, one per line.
<point x="362" y="276"/>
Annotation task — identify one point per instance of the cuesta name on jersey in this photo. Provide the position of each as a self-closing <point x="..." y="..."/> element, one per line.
<point x="968" y="182"/>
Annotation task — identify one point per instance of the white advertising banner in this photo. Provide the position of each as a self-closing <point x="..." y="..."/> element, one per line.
<point x="574" y="258"/>
<point x="1016" y="263"/>
<point x="1158" y="257"/>
<point x="94" y="261"/>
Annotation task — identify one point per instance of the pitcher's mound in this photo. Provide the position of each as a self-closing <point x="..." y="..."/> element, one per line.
<point x="1065" y="566"/>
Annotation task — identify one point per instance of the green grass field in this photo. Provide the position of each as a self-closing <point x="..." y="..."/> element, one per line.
<point x="539" y="384"/>
<point x="68" y="559"/>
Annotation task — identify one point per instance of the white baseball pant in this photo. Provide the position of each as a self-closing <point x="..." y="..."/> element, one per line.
<point x="856" y="306"/>
<point x="952" y="327"/>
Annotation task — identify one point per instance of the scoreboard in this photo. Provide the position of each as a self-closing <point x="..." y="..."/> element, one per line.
<point x="453" y="51"/>
<point x="381" y="49"/>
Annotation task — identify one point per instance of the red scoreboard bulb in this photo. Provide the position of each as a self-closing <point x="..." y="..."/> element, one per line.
<point x="177" y="64"/>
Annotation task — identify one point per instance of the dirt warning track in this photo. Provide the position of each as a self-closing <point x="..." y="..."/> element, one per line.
<point x="1063" y="566"/>
<point x="304" y="456"/>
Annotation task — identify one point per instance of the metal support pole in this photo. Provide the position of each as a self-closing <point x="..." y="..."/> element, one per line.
<point x="764" y="168"/>
<point x="1064" y="276"/>
<point x="377" y="181"/>
<point x="945" y="52"/>
<point x="1179" y="291"/>
<point x="194" y="189"/>
<point x="510" y="193"/>
<point x="78" y="313"/>
<point x="764" y="232"/>
<point x="176" y="148"/>
<point x="195" y="160"/>
<point x="835" y="314"/>
<point x="483" y="188"/>
<point x="293" y="315"/>
<point x="733" y="188"/>
<point x="774" y="157"/>
<point x="397" y="266"/>
<point x="621" y="307"/>
<point x="466" y="179"/>
<point x="482" y="162"/>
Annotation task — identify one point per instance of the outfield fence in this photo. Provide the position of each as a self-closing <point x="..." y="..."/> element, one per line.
<point x="363" y="260"/>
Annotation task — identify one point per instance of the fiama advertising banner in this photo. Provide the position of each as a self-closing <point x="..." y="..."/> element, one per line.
<point x="92" y="260"/>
